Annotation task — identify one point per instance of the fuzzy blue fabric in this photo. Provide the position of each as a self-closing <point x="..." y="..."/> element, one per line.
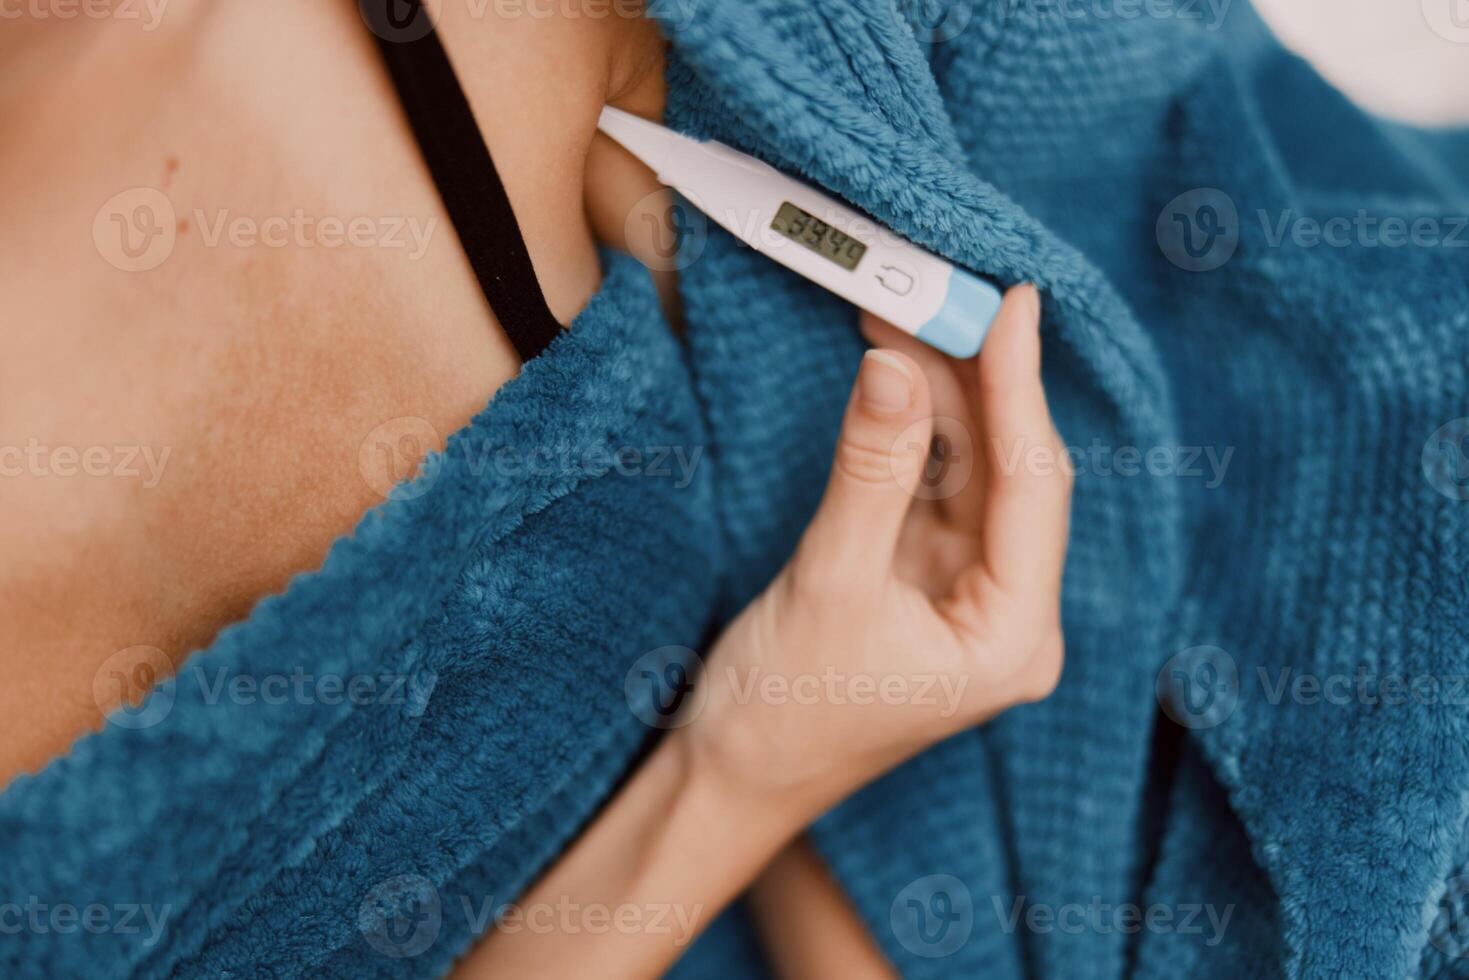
<point x="1255" y="833"/>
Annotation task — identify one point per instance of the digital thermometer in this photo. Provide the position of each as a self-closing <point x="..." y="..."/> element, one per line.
<point x="812" y="234"/>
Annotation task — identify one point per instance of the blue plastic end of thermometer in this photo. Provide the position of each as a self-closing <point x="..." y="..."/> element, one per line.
<point x="959" y="328"/>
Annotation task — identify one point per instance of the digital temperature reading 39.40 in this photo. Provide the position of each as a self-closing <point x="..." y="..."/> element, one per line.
<point x="806" y="229"/>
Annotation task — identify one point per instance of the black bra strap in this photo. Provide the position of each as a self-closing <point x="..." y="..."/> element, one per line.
<point x="463" y="170"/>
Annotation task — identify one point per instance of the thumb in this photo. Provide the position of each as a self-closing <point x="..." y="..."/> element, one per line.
<point x="880" y="457"/>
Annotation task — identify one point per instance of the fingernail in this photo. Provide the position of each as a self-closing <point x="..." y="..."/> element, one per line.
<point x="883" y="383"/>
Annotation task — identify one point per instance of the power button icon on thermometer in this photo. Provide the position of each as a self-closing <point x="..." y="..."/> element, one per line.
<point x="896" y="279"/>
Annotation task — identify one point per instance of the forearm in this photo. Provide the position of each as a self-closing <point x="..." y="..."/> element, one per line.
<point x="808" y="927"/>
<point x="675" y="847"/>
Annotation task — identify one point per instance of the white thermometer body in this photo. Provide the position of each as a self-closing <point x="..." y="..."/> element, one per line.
<point x="817" y="237"/>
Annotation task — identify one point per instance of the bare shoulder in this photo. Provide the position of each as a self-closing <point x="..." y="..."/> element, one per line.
<point x="230" y="283"/>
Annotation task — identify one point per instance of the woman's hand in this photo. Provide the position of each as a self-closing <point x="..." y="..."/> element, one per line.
<point x="897" y="622"/>
<point x="900" y="620"/>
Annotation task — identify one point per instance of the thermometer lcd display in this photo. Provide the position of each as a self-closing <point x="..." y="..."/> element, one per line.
<point x="806" y="229"/>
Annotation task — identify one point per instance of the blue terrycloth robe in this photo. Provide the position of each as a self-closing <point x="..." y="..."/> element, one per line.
<point x="1032" y="145"/>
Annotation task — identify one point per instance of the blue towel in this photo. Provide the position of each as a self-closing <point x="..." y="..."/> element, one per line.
<point x="1157" y="176"/>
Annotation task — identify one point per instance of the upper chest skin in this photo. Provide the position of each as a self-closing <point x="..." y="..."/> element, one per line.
<point x="177" y="442"/>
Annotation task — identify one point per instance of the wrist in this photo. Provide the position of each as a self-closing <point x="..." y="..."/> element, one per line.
<point x="734" y="759"/>
<point x="774" y="748"/>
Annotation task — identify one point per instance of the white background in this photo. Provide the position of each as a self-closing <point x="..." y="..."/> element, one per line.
<point x="1383" y="53"/>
